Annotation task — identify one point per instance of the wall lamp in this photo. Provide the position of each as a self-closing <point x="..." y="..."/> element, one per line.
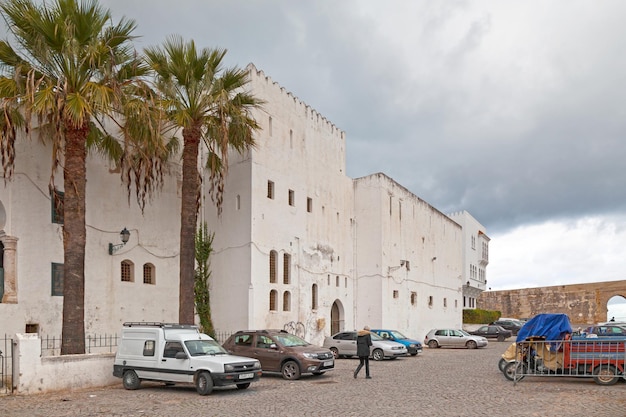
<point x="124" y="236"/>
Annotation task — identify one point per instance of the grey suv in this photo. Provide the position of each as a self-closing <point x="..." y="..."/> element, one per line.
<point x="280" y="351"/>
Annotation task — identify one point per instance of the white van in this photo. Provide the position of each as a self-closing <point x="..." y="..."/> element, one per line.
<point x="176" y="353"/>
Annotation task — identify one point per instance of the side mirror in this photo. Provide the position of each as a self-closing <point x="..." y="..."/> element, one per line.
<point x="180" y="355"/>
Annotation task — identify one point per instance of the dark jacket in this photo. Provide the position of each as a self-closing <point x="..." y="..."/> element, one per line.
<point x="363" y="343"/>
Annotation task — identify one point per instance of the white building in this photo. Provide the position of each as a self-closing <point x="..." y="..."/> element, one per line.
<point x="475" y="257"/>
<point x="299" y="245"/>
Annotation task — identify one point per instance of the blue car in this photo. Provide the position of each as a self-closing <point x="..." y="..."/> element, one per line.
<point x="412" y="346"/>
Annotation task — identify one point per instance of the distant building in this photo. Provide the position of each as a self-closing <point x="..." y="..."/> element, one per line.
<point x="475" y="257"/>
<point x="299" y="244"/>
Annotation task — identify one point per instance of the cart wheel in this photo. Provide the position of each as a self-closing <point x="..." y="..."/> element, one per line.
<point x="605" y="375"/>
<point x="501" y="364"/>
<point x="514" y="371"/>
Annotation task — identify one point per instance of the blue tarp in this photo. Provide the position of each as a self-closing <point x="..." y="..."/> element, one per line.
<point x="548" y="326"/>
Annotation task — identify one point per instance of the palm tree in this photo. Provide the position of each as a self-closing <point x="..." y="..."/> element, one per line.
<point x="75" y="72"/>
<point x="209" y="104"/>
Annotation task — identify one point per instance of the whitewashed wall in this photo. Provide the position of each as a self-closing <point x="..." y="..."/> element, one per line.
<point x="405" y="245"/>
<point x="297" y="150"/>
<point x="108" y="301"/>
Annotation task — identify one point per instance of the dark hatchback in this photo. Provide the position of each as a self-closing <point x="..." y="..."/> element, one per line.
<point x="280" y="351"/>
<point x="493" y="332"/>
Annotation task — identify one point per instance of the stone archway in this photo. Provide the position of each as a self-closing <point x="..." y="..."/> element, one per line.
<point x="337" y="317"/>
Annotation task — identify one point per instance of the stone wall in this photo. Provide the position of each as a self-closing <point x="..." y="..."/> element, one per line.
<point x="583" y="303"/>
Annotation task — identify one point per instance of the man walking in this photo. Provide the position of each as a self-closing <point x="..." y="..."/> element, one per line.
<point x="363" y="343"/>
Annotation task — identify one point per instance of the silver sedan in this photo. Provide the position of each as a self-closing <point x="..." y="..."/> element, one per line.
<point x="453" y="338"/>
<point x="343" y="344"/>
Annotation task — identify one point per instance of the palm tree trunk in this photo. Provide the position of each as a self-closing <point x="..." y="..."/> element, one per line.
<point x="188" y="222"/>
<point x="74" y="240"/>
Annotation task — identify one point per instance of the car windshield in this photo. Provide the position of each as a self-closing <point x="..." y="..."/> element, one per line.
<point x="289" y="340"/>
<point x="398" y="335"/>
<point x="204" y="347"/>
<point x="375" y="336"/>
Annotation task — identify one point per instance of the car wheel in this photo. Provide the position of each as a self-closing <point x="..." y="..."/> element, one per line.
<point x="290" y="370"/>
<point x="378" y="355"/>
<point x="243" y="386"/>
<point x="514" y="371"/>
<point x="130" y="380"/>
<point x="605" y="375"/>
<point x="204" y="383"/>
<point x="335" y="352"/>
<point x="433" y="344"/>
<point x="471" y="344"/>
<point x="501" y="338"/>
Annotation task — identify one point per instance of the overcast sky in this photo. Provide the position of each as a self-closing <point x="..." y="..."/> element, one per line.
<point x="512" y="110"/>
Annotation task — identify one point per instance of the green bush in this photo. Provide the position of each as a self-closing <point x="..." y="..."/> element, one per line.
<point x="478" y="316"/>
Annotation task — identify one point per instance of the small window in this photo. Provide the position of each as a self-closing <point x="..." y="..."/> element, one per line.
<point x="337" y="281"/>
<point x="273" y="258"/>
<point x="445" y="302"/>
<point x="328" y="280"/>
<point x="57" y="280"/>
<point x="345" y="280"/>
<point x="291" y="198"/>
<point x="273" y="300"/>
<point x="57" y="205"/>
<point x="148" y="274"/>
<point x="238" y="202"/>
<point x="148" y="348"/>
<point x="430" y="301"/>
<point x="314" y="297"/>
<point x="269" y="125"/>
<point x="270" y="189"/>
<point x="286" y="268"/>
<point x="286" y="301"/>
<point x="127" y="271"/>
<point x="395" y="294"/>
<point x="309" y="205"/>
<point x="413" y="298"/>
<point x="32" y="328"/>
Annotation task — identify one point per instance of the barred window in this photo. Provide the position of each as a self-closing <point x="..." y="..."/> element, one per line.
<point x="127" y="271"/>
<point x="273" y="300"/>
<point x="286" y="268"/>
<point x="273" y="256"/>
<point x="148" y="274"/>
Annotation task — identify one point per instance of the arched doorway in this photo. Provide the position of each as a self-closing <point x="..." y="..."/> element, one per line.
<point x="336" y="317"/>
<point x="616" y="309"/>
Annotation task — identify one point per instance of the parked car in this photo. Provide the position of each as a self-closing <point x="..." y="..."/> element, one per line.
<point x="509" y="324"/>
<point x="453" y="338"/>
<point x="280" y="351"/>
<point x="493" y="332"/>
<point x="179" y="353"/>
<point x="343" y="344"/>
<point x="606" y="330"/>
<point x="412" y="346"/>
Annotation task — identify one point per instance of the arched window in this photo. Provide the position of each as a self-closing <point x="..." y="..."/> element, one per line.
<point x="314" y="297"/>
<point x="273" y="259"/>
<point x="286" y="268"/>
<point x="127" y="271"/>
<point x="149" y="274"/>
<point x="273" y="300"/>
<point x="286" y="301"/>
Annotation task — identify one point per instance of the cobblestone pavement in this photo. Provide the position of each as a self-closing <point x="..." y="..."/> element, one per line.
<point x="439" y="382"/>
